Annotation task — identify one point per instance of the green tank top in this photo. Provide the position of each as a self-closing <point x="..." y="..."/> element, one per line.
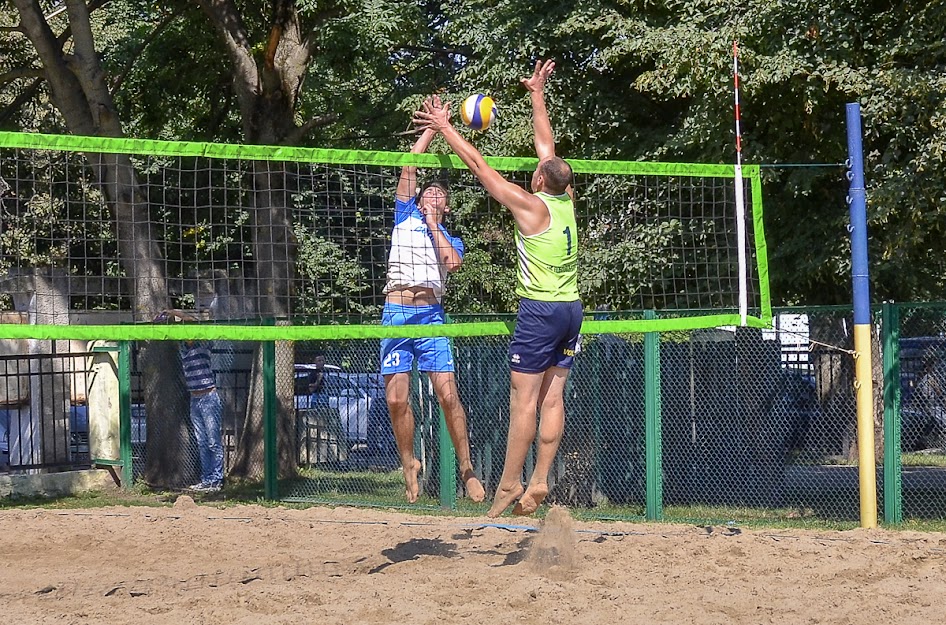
<point x="548" y="261"/>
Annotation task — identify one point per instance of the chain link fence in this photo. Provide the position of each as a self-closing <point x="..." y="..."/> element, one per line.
<point x="721" y="424"/>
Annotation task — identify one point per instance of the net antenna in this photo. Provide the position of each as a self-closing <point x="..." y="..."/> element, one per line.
<point x="740" y="200"/>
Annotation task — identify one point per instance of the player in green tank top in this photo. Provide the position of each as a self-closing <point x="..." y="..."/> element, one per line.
<point x="548" y="261"/>
<point x="545" y="340"/>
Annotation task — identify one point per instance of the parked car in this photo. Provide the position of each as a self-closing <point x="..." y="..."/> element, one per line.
<point x="4" y="435"/>
<point x="79" y="432"/>
<point x="359" y="400"/>
<point x="923" y="392"/>
<point x="922" y="397"/>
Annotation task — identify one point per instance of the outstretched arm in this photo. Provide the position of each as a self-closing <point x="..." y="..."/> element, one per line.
<point x="530" y="212"/>
<point x="535" y="84"/>
<point x="407" y="184"/>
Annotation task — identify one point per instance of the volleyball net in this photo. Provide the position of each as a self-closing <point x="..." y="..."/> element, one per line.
<point x="282" y="255"/>
<point x="98" y="235"/>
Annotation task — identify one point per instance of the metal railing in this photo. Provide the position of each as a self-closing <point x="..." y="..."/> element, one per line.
<point x="43" y="417"/>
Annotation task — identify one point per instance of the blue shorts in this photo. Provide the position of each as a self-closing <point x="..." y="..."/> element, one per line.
<point x="397" y="355"/>
<point x="546" y="335"/>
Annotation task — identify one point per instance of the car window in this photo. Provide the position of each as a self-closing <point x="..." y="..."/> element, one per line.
<point x="335" y="386"/>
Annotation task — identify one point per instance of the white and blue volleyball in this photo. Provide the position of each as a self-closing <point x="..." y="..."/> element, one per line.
<point x="478" y="111"/>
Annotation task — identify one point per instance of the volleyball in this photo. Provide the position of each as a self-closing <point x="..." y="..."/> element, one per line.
<point x="478" y="111"/>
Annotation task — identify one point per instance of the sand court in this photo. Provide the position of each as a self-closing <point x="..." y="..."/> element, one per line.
<point x="251" y="564"/>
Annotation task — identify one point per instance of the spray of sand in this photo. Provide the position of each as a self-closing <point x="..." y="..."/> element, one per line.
<point x="553" y="550"/>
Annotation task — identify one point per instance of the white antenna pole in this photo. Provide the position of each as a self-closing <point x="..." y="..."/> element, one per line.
<point x="740" y="200"/>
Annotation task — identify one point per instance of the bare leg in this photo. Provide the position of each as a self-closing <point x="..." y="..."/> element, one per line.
<point x="523" y="395"/>
<point x="551" y="427"/>
<point x="397" y="393"/>
<point x="445" y="385"/>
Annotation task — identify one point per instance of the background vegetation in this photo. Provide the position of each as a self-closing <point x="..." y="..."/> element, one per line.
<point x="635" y="80"/>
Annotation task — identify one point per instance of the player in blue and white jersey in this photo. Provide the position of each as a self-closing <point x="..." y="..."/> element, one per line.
<point x="422" y="254"/>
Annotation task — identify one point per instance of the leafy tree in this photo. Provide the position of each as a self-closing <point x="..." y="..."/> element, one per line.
<point x="653" y="81"/>
<point x="268" y="54"/>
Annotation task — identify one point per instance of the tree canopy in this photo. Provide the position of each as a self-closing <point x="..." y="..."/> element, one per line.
<point x="635" y="80"/>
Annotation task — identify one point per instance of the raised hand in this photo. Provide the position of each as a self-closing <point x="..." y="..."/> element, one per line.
<point x="434" y="115"/>
<point x="536" y="82"/>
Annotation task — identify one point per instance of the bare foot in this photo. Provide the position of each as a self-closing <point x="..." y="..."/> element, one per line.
<point x="474" y="488"/>
<point x="530" y="501"/>
<point x="411" y="487"/>
<point x="503" y="499"/>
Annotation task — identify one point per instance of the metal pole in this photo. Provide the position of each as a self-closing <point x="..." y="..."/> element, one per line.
<point x="893" y="486"/>
<point x="124" y="414"/>
<point x="862" y="352"/>
<point x="652" y="427"/>
<point x="270" y="441"/>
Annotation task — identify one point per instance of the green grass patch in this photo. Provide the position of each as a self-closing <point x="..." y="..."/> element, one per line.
<point x="804" y="507"/>
<point x="921" y="459"/>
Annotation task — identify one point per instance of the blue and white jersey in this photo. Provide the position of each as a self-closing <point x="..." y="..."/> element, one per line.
<point x="413" y="260"/>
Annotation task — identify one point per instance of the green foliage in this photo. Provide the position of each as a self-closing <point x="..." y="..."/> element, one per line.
<point x="332" y="282"/>
<point x="173" y="85"/>
<point x="635" y="80"/>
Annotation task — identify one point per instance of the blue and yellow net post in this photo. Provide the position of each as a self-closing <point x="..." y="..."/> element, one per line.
<point x="862" y="351"/>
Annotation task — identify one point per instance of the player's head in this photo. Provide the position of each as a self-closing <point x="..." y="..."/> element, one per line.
<point x="553" y="175"/>
<point x="434" y="195"/>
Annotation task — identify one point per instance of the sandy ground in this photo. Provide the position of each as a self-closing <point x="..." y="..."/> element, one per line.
<point x="255" y="565"/>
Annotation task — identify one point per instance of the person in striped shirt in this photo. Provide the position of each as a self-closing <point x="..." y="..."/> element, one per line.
<point x="206" y="408"/>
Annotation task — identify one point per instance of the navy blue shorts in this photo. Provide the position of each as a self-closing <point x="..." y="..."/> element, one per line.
<point x="546" y="335"/>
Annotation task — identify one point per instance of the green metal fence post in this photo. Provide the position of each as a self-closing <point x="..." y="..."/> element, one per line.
<point x="893" y="485"/>
<point x="448" y="467"/>
<point x="270" y="446"/>
<point x="124" y="413"/>
<point x="653" y="451"/>
<point x="596" y="354"/>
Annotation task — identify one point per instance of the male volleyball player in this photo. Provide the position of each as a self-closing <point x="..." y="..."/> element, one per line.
<point x="422" y="254"/>
<point x="543" y="345"/>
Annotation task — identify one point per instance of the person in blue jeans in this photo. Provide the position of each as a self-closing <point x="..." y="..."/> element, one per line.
<point x="206" y="409"/>
<point x="422" y="254"/>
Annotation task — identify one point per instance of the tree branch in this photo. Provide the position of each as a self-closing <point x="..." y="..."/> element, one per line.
<point x="88" y="69"/>
<point x="20" y="72"/>
<point x="441" y="51"/>
<point x="226" y="20"/>
<point x="296" y="136"/>
<point x="67" y="32"/>
<point x="136" y="54"/>
<point x="22" y="98"/>
<point x="282" y="15"/>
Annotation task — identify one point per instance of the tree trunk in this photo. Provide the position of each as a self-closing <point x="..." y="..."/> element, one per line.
<point x="79" y="92"/>
<point x="274" y="252"/>
<point x="267" y="88"/>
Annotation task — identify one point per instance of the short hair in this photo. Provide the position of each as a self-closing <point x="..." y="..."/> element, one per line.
<point x="557" y="174"/>
<point x="440" y="184"/>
